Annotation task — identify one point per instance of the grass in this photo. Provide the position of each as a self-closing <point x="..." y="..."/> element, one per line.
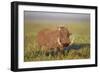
<point x="80" y="49"/>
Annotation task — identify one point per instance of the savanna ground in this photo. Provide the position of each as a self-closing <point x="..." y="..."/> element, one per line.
<point x="80" y="49"/>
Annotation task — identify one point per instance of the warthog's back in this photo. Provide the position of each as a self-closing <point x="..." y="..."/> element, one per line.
<point x="48" y="38"/>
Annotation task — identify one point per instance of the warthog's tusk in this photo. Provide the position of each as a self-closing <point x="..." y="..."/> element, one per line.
<point x="58" y="40"/>
<point x="72" y="41"/>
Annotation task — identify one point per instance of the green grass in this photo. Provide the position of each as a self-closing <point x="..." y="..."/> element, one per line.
<point x="80" y="49"/>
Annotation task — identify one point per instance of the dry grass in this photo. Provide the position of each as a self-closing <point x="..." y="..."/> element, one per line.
<point x="80" y="49"/>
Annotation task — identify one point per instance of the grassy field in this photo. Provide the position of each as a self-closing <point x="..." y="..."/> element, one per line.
<point x="80" y="49"/>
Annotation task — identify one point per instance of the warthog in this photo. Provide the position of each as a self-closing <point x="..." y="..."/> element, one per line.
<point x="53" y="39"/>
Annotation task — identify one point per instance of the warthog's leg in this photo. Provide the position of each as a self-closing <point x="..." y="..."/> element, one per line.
<point x="49" y="52"/>
<point x="53" y="52"/>
<point x="62" y="52"/>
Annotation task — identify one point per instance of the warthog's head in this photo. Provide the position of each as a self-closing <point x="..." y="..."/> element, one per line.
<point x="64" y="36"/>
